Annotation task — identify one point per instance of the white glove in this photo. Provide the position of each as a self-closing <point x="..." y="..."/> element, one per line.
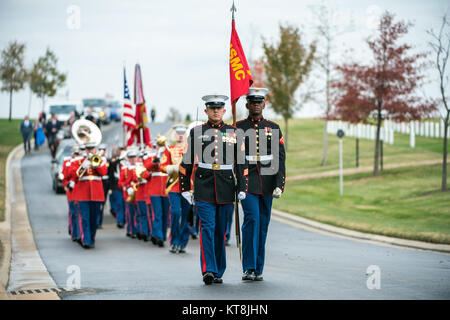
<point x="172" y="168"/>
<point x="60" y="176"/>
<point x="187" y="195"/>
<point x="86" y="163"/>
<point x="130" y="191"/>
<point x="241" y="195"/>
<point x="71" y="185"/>
<point x="277" y="193"/>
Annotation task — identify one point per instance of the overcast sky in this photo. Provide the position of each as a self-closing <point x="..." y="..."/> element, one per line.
<point x="182" y="46"/>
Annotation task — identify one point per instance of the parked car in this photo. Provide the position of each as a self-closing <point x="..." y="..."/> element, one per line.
<point x="116" y="110"/>
<point x="99" y="108"/>
<point x="63" y="110"/>
<point x="64" y="151"/>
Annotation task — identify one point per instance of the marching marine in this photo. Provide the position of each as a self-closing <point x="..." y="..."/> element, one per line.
<point x="125" y="184"/>
<point x="68" y="187"/>
<point x="179" y="206"/>
<point x="86" y="173"/>
<point x="214" y="148"/>
<point x="265" y="153"/>
<point x="159" y="200"/>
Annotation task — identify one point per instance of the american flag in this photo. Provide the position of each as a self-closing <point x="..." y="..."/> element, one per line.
<point x="128" y="116"/>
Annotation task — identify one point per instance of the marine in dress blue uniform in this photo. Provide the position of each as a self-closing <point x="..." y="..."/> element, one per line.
<point x="214" y="147"/>
<point x="266" y="179"/>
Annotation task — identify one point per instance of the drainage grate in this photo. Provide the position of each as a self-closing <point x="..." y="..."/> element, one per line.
<point x="31" y="291"/>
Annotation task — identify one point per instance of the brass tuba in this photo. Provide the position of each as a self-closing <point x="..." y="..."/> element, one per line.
<point x="87" y="132"/>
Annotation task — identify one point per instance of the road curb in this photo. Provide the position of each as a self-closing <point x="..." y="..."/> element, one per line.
<point x="20" y="246"/>
<point x="5" y="226"/>
<point x="319" y="227"/>
<point x="353" y="171"/>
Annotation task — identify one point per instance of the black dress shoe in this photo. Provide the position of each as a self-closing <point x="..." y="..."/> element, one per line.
<point x="173" y="249"/>
<point x="129" y="235"/>
<point x="194" y="236"/>
<point x="208" y="278"/>
<point x="258" y="277"/>
<point x="160" y="243"/>
<point x="181" y="250"/>
<point x="153" y="240"/>
<point x="248" y="275"/>
<point x="145" y="238"/>
<point x="217" y="280"/>
<point x="139" y="236"/>
<point x="120" y="226"/>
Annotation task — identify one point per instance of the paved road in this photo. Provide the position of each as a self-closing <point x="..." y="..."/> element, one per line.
<point x="300" y="264"/>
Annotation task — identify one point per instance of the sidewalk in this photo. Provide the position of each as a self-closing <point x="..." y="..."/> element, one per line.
<point x="20" y="251"/>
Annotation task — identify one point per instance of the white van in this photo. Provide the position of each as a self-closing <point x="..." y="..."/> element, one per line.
<point x="63" y="109"/>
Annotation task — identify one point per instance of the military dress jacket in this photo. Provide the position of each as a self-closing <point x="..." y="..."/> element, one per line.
<point x="212" y="151"/>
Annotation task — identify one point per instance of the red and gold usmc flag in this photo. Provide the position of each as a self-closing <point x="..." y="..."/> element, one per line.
<point x="240" y="76"/>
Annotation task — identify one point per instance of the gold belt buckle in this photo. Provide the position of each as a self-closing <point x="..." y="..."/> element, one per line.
<point x="257" y="158"/>
<point x="216" y="166"/>
<point x="91" y="178"/>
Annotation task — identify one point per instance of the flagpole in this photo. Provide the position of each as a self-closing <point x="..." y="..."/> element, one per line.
<point x="123" y="127"/>
<point x="236" y="200"/>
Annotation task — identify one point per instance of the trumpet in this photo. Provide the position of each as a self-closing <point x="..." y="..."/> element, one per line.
<point x="95" y="160"/>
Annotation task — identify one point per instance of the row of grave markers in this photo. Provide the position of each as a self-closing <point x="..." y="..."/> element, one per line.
<point x="364" y="131"/>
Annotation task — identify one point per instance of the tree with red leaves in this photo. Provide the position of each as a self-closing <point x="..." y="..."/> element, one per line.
<point x="387" y="87"/>
<point x="259" y="77"/>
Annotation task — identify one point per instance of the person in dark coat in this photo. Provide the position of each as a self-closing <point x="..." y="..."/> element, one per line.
<point x="51" y="129"/>
<point x="26" y="129"/>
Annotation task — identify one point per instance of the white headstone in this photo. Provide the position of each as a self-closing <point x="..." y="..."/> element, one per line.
<point x="427" y="129"/>
<point x="391" y="136"/>
<point x="412" y="136"/>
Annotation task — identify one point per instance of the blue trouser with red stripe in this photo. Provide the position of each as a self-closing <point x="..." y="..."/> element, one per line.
<point x="257" y="209"/>
<point x="73" y="221"/>
<point x="116" y="202"/>
<point x="213" y="227"/>
<point x="160" y="212"/>
<point x="142" y="218"/>
<point x="179" y="209"/>
<point x="88" y="212"/>
<point x="130" y="218"/>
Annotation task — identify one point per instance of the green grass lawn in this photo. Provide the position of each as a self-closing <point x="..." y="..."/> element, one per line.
<point x="10" y="137"/>
<point x="401" y="202"/>
<point x="305" y="138"/>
